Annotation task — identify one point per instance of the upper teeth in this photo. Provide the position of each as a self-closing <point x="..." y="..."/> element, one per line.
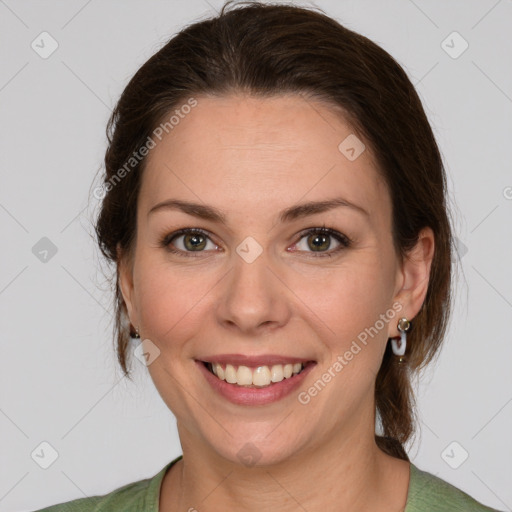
<point x="260" y="376"/>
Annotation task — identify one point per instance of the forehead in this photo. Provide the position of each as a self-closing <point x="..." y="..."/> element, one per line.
<point x="248" y="154"/>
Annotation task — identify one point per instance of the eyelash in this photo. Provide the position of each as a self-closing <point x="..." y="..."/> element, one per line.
<point x="344" y="241"/>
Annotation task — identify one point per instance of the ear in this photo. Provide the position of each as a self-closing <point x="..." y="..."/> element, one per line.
<point x="413" y="278"/>
<point x="125" y="276"/>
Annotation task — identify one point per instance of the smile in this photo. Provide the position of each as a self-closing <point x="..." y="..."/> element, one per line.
<point x="254" y="381"/>
<point x="259" y="377"/>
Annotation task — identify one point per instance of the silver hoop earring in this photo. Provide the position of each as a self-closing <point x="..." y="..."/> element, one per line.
<point x="400" y="344"/>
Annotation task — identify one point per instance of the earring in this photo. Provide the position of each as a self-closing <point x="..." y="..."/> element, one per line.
<point x="400" y="344"/>
<point x="135" y="336"/>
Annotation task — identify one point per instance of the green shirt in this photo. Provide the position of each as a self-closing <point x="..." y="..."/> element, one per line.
<point x="427" y="493"/>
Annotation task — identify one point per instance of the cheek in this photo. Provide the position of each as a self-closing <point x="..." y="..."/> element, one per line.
<point x="171" y="302"/>
<point x="339" y="302"/>
<point x="348" y="298"/>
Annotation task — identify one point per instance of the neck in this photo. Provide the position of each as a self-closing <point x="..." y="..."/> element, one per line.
<point x="350" y="471"/>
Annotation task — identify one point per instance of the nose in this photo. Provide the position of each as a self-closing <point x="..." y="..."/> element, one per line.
<point x="253" y="297"/>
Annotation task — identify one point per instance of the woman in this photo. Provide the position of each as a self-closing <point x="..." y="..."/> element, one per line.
<point x="274" y="204"/>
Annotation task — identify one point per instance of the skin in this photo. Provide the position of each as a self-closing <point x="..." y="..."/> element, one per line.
<point x="251" y="158"/>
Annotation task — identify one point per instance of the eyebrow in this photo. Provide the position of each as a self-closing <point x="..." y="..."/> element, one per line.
<point x="287" y="215"/>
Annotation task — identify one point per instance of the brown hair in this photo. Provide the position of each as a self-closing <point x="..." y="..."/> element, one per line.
<point x="265" y="50"/>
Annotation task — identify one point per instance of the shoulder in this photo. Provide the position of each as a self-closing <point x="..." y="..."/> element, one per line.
<point x="136" y="496"/>
<point x="428" y="492"/>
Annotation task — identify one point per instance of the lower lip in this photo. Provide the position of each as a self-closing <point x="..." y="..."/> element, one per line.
<point x="241" y="395"/>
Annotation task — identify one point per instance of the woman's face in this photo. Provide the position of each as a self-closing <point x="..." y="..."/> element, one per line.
<point x="260" y="289"/>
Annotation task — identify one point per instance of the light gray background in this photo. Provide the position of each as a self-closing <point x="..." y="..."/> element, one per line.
<point x="59" y="379"/>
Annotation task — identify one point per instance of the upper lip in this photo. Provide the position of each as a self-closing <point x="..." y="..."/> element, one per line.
<point x="258" y="360"/>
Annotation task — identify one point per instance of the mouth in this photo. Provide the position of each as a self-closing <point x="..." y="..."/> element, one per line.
<point x="253" y="381"/>
<point x="255" y="377"/>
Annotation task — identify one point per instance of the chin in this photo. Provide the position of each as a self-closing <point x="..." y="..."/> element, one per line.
<point x="249" y="448"/>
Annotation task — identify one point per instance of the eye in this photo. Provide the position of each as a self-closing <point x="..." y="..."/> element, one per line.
<point x="188" y="240"/>
<point x="318" y="241"/>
